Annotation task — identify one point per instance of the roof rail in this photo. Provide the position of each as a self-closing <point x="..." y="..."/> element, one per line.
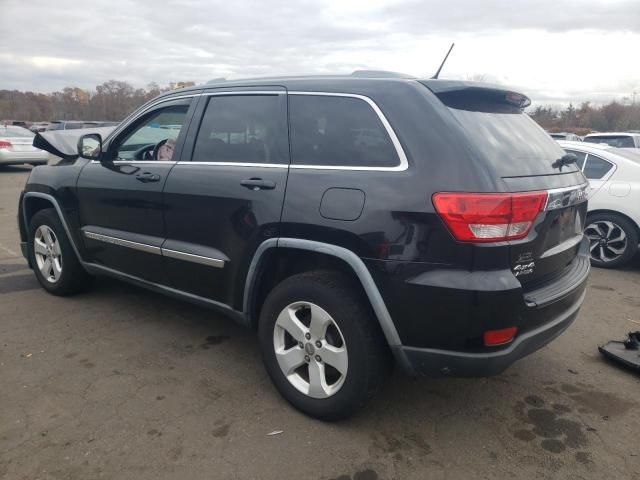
<point x="216" y="80"/>
<point x="379" y="74"/>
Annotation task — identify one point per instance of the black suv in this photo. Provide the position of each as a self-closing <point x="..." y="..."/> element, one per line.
<point x="352" y="221"/>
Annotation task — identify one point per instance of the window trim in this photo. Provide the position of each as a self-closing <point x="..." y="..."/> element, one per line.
<point x="402" y="166"/>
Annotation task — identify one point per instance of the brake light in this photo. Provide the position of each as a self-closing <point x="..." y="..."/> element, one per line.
<point x="5" y="144"/>
<point x="489" y="217"/>
<point x="499" y="337"/>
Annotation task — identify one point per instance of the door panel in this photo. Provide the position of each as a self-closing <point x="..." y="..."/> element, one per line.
<point x="123" y="193"/>
<point x="228" y="199"/>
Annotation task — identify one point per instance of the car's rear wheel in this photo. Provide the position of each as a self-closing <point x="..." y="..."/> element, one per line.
<point x="321" y="345"/>
<point x="52" y="257"/>
<point x="613" y="240"/>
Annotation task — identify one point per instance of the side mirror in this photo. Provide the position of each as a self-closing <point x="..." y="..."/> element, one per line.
<point x="90" y="146"/>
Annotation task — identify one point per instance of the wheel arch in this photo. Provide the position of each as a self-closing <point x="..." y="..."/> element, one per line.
<point x="33" y="202"/>
<point x="347" y="260"/>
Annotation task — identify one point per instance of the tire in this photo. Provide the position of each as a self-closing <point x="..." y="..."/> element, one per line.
<point x="66" y="275"/>
<point x="601" y="229"/>
<point x="352" y="340"/>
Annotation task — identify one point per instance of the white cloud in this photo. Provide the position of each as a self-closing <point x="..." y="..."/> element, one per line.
<point x="554" y="50"/>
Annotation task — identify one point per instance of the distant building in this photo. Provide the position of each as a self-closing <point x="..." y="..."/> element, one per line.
<point x="176" y="85"/>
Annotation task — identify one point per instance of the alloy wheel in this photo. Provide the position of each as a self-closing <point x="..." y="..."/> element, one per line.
<point x="608" y="241"/>
<point x="48" y="254"/>
<point x="310" y="349"/>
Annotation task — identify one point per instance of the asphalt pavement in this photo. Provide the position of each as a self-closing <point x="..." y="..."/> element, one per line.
<point x="123" y="383"/>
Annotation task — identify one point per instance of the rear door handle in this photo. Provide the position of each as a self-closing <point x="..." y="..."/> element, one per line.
<point x="147" y="177"/>
<point x="258" y="184"/>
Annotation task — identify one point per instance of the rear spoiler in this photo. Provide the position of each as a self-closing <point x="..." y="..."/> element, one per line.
<point x="64" y="143"/>
<point x="476" y="95"/>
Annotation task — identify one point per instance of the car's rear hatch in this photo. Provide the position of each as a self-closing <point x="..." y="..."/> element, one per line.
<point x="513" y="147"/>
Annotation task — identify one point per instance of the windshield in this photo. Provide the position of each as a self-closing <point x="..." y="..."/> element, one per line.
<point x="511" y="142"/>
<point x="15" y="132"/>
<point x="619" y="141"/>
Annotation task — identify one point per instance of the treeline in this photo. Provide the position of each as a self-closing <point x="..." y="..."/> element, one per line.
<point x="612" y="117"/>
<point x="112" y="100"/>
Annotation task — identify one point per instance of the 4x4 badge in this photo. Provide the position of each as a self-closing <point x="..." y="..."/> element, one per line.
<point x="524" y="269"/>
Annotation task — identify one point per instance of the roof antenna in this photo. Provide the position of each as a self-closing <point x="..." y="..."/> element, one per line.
<point x="443" y="61"/>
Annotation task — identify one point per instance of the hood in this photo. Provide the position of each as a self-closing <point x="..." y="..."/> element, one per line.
<point x="64" y="143"/>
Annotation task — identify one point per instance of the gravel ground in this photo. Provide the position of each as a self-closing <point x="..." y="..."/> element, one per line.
<point x="126" y="384"/>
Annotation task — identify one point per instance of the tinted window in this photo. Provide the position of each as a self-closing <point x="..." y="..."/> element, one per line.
<point x="580" y="156"/>
<point x="510" y="142"/>
<point x="620" y="141"/>
<point x="243" y="129"/>
<point x="338" y="131"/>
<point x="73" y="126"/>
<point x="153" y="137"/>
<point x="596" y="168"/>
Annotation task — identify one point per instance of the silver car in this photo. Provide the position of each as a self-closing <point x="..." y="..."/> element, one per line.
<point x="16" y="147"/>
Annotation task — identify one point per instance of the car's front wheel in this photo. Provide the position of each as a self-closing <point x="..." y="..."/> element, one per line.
<point x="52" y="257"/>
<point x="321" y="345"/>
<point x="613" y="240"/>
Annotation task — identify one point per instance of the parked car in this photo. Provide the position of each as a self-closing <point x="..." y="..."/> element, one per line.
<point x="350" y="220"/>
<point x="76" y="124"/>
<point x="565" y="136"/>
<point x="39" y="126"/>
<point x="619" y="140"/>
<point x="613" y="220"/>
<point x="16" y="147"/>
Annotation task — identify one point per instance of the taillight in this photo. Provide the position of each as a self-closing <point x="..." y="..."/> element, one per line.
<point x="5" y="144"/>
<point x="489" y="217"/>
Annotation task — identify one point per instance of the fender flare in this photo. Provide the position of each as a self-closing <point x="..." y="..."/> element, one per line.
<point x="63" y="220"/>
<point x="356" y="264"/>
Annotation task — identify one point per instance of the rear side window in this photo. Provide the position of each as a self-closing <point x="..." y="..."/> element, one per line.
<point x="596" y="168"/>
<point x="581" y="156"/>
<point x="339" y="132"/>
<point x="243" y="129"/>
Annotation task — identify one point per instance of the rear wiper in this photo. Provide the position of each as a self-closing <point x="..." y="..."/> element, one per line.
<point x="567" y="159"/>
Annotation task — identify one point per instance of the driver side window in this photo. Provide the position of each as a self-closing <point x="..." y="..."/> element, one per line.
<point x="152" y="137"/>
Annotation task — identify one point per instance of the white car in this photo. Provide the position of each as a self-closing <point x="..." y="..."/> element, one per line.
<point x="16" y="147"/>
<point x="615" y="139"/>
<point x="613" y="219"/>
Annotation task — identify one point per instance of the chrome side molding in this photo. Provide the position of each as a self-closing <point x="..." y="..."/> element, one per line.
<point x="122" y="242"/>
<point x="165" y="252"/>
<point x="191" y="257"/>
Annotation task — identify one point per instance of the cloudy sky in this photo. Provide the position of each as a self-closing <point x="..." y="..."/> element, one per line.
<point x="554" y="50"/>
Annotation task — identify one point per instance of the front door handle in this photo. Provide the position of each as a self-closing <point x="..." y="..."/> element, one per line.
<point x="258" y="184"/>
<point x="147" y="177"/>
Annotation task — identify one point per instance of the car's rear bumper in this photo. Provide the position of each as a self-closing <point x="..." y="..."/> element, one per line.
<point x="16" y="158"/>
<point x="435" y="362"/>
<point x="441" y="315"/>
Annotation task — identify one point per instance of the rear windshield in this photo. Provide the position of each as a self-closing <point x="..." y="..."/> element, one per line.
<point x="512" y="143"/>
<point x="620" y="141"/>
